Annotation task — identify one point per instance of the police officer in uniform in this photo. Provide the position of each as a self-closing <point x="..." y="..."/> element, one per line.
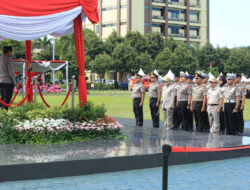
<point x="190" y="113"/>
<point x="138" y="95"/>
<point x="168" y="96"/>
<point x="176" y="116"/>
<point x="154" y="91"/>
<point x="205" y="83"/>
<point x="198" y="103"/>
<point x="231" y="104"/>
<point x="243" y="92"/>
<point x="214" y="105"/>
<point x="222" y="84"/>
<point x="184" y="93"/>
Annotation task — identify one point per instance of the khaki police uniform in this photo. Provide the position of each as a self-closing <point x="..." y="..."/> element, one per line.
<point x="176" y="117"/>
<point x="214" y="96"/>
<point x="206" y="122"/>
<point x="182" y="97"/>
<point x="198" y="94"/>
<point x="230" y="95"/>
<point x="243" y="92"/>
<point x="153" y="90"/>
<point x="138" y="90"/>
<point x="168" y="96"/>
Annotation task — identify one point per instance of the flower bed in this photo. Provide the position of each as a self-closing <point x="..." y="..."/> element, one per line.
<point x="57" y="125"/>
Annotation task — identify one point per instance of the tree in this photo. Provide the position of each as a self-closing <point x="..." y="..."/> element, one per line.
<point x="93" y="44"/>
<point x="18" y="47"/>
<point x="145" y="62"/>
<point x="111" y="42"/>
<point x="184" y="60"/>
<point x="221" y="57"/>
<point x="123" y="58"/>
<point x="205" y="56"/>
<point x="100" y="64"/>
<point x="154" y="44"/>
<point x="164" y="61"/>
<point x="137" y="41"/>
<point x="238" y="61"/>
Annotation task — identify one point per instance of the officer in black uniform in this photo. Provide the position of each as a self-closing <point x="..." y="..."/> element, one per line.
<point x="154" y="91"/>
<point x="138" y="99"/>
<point x="190" y="113"/>
<point x="243" y="92"/>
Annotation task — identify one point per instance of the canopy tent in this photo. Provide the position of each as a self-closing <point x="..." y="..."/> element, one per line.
<point x="170" y="75"/>
<point x="41" y="67"/>
<point x="26" y="20"/>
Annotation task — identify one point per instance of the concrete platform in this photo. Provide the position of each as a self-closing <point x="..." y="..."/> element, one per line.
<point x="141" y="149"/>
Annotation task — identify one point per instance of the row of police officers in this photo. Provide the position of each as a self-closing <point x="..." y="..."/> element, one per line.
<point x="215" y="105"/>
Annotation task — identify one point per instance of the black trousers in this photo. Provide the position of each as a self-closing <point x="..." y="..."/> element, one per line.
<point x="240" y="119"/>
<point x="230" y="119"/>
<point x="155" y="115"/>
<point x="138" y="111"/>
<point x="6" y="91"/>
<point x="222" y="123"/>
<point x="176" y="117"/>
<point x="183" y="112"/>
<point x="200" y="117"/>
<point x="190" y="120"/>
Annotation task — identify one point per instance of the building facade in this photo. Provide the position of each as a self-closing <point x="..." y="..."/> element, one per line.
<point x="185" y="20"/>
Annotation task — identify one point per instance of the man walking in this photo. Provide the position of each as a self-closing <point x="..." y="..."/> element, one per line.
<point x="138" y="95"/>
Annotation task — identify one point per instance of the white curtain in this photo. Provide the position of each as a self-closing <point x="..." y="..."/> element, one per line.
<point x="30" y="28"/>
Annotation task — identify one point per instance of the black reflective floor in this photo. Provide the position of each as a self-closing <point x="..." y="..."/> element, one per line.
<point x="140" y="141"/>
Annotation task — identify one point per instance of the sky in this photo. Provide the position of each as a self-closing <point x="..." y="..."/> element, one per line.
<point x="230" y="23"/>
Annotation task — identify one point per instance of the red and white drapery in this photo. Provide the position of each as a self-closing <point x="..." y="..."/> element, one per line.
<point x="26" y="20"/>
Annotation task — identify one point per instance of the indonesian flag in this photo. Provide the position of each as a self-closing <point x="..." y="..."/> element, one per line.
<point x="31" y="19"/>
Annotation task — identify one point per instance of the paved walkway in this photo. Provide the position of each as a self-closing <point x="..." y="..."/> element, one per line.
<point x="231" y="174"/>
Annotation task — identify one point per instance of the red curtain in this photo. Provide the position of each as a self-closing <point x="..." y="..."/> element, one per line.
<point x="28" y="63"/>
<point x="80" y="54"/>
<point x="90" y="8"/>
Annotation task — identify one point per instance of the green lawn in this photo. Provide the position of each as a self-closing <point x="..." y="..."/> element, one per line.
<point x="118" y="103"/>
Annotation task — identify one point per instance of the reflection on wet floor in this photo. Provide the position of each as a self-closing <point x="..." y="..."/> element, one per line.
<point x="140" y="141"/>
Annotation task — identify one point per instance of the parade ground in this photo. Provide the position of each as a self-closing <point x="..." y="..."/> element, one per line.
<point x="118" y="103"/>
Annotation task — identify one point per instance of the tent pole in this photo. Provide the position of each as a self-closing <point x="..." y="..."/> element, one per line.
<point x="67" y="76"/>
<point x="28" y="69"/>
<point x="53" y="73"/>
<point x="23" y="79"/>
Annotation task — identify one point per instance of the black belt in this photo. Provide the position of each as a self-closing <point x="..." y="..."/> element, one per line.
<point x="198" y="102"/>
<point x="213" y="104"/>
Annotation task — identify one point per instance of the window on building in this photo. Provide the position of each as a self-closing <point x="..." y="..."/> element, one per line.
<point x="198" y="2"/>
<point x="174" y="29"/>
<point x="175" y="13"/>
<point x="146" y="7"/>
<point x="97" y="30"/>
<point x="177" y="1"/>
<point x="146" y="24"/>
<point x="196" y="30"/>
<point x="196" y="14"/>
<point x="123" y="6"/>
<point x="156" y="25"/>
<point x="109" y="25"/>
<point x="109" y="8"/>
<point x="156" y="9"/>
